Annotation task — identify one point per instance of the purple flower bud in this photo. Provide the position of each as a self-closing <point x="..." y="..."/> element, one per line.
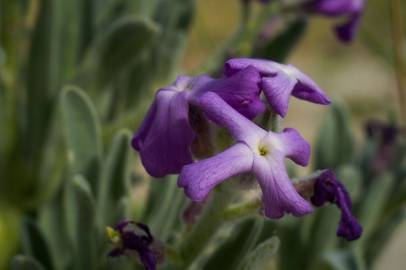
<point x="279" y="82"/>
<point x="352" y="9"/>
<point x="328" y="189"/>
<point x="131" y="236"/>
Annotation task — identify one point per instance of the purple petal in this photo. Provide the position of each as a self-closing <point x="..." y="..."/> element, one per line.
<point x="280" y="196"/>
<point x="307" y="89"/>
<point x="165" y="145"/>
<point x="277" y="90"/>
<point x="217" y="110"/>
<point x="141" y="135"/>
<point x="295" y="146"/>
<point x="264" y="67"/>
<point x="347" y="31"/>
<point x="240" y="90"/>
<point x="333" y="7"/>
<point x="148" y="259"/>
<point x="200" y="178"/>
<point x="327" y="188"/>
<point x="348" y="227"/>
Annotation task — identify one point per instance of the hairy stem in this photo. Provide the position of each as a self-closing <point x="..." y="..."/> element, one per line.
<point x="201" y="233"/>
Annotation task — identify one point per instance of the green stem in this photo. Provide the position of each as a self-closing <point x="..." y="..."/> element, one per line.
<point x="397" y="39"/>
<point x="205" y="228"/>
<point x="241" y="210"/>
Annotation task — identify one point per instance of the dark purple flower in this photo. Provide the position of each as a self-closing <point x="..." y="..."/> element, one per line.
<point x="386" y="135"/>
<point x="129" y="236"/>
<point x="328" y="189"/>
<point x="256" y="151"/>
<point x="352" y="9"/>
<point x="279" y="81"/>
<point x="166" y="134"/>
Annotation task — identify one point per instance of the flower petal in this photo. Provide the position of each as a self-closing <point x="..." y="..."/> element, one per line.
<point x="200" y="178"/>
<point x="141" y="135"/>
<point x="264" y="67"/>
<point x="332" y="7"/>
<point x="307" y="89"/>
<point x="279" y="194"/>
<point x="347" y="31"/>
<point x="166" y="145"/>
<point x="241" y="128"/>
<point x="240" y="90"/>
<point x="277" y="90"/>
<point x="295" y="146"/>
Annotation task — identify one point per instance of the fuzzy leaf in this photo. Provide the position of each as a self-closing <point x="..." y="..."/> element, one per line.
<point x="80" y="216"/>
<point x="263" y="256"/>
<point x="124" y="44"/>
<point x="82" y="133"/>
<point x="165" y="203"/>
<point x="114" y="179"/>
<point x="34" y="243"/>
<point x="21" y="262"/>
<point x="334" y="145"/>
<point x="279" y="47"/>
<point x="241" y="241"/>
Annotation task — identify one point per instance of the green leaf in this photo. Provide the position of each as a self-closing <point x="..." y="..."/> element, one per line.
<point x="21" y="262"/>
<point x="165" y="203"/>
<point x="280" y="46"/>
<point x="82" y="133"/>
<point x="351" y="177"/>
<point x="374" y="203"/>
<point x="114" y="179"/>
<point x="124" y="43"/>
<point x="81" y="225"/>
<point x="263" y="256"/>
<point x="52" y="221"/>
<point x="241" y="241"/>
<point x="34" y="243"/>
<point x="340" y="260"/>
<point x="334" y="145"/>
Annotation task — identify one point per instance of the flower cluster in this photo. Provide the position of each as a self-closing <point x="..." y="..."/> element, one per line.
<point x="165" y="138"/>
<point x="351" y="10"/>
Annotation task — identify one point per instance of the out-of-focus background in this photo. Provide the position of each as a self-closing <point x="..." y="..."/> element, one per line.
<point x="357" y="73"/>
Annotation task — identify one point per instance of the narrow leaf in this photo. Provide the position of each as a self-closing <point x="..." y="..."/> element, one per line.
<point x="80" y="216"/>
<point x="82" y="133"/>
<point x="263" y="256"/>
<point x="21" y="262"/>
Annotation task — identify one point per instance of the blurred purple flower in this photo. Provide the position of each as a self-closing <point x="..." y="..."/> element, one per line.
<point x="328" y="189"/>
<point x="166" y="134"/>
<point x="279" y="81"/>
<point x="352" y="9"/>
<point x="131" y="236"/>
<point x="386" y="135"/>
<point x="256" y="151"/>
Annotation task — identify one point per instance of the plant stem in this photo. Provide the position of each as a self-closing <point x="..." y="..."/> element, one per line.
<point x="397" y="39"/>
<point x="205" y="228"/>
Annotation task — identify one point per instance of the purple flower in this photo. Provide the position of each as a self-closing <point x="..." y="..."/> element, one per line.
<point x="256" y="151"/>
<point x="328" y="189"/>
<point x="352" y="9"/>
<point x="131" y="236"/>
<point x="166" y="134"/>
<point x="279" y="81"/>
<point x="386" y="135"/>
